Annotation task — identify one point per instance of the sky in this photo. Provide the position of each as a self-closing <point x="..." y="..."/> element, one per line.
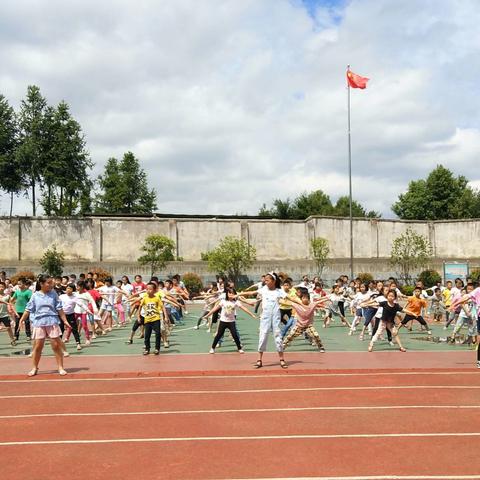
<point x="230" y="104"/>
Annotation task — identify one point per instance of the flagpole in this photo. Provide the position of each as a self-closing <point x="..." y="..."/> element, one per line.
<point x="350" y="179"/>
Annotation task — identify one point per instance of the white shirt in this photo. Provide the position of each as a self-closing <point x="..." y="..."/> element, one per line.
<point x="270" y="298"/>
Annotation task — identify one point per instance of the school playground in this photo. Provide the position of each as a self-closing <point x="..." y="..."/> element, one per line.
<point x="344" y="414"/>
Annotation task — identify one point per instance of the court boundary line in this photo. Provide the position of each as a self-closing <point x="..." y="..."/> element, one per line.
<point x="240" y="410"/>
<point x="240" y="438"/>
<point x="250" y="391"/>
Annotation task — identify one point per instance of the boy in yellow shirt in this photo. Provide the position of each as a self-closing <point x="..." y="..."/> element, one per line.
<point x="153" y="308"/>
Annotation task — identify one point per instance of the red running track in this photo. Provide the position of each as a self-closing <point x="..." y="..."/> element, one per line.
<point x="377" y="425"/>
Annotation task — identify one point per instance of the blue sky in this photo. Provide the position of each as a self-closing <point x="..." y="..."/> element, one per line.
<point x="230" y="104"/>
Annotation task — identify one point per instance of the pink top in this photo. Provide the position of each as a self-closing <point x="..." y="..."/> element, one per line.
<point x="475" y="295"/>
<point x="304" y="314"/>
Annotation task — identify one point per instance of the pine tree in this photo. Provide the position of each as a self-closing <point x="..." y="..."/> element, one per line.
<point x="30" y="153"/>
<point x="124" y="188"/>
<point x="11" y="175"/>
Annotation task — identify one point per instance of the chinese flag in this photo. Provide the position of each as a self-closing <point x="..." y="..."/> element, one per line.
<point x="356" y="81"/>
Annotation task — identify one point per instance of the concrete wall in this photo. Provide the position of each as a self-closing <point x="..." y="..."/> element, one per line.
<point x="115" y="242"/>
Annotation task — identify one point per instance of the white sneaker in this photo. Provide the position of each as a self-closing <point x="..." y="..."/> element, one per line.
<point x="87" y="342"/>
<point x="391" y="344"/>
<point x="350" y="333"/>
<point x="429" y="332"/>
<point x="79" y="347"/>
<point x="478" y="364"/>
<point x="66" y="354"/>
<point x="241" y="351"/>
<point x="195" y="327"/>
<point x="211" y="350"/>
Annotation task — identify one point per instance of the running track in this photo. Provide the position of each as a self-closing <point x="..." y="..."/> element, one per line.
<point x="400" y="424"/>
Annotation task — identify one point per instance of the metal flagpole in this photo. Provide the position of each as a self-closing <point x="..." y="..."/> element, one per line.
<point x="350" y="178"/>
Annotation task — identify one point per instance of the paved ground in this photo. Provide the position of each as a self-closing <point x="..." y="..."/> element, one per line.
<point x="187" y="340"/>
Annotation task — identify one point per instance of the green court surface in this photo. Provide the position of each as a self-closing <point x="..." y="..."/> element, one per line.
<point x="185" y="339"/>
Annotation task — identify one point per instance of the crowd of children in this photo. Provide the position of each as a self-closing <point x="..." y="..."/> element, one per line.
<point x="86" y="306"/>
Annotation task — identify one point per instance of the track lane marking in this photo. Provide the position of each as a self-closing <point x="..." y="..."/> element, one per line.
<point x="241" y="410"/>
<point x="240" y="438"/>
<point x="249" y="391"/>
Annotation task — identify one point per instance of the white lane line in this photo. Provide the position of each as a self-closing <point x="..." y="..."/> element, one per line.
<point x="242" y="410"/>
<point x="237" y="377"/>
<point x="249" y="391"/>
<point x="239" y="438"/>
<point x="381" y="477"/>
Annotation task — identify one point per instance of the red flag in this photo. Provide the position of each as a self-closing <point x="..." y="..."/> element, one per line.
<point x="356" y="81"/>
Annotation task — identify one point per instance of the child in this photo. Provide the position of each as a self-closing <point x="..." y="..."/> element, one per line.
<point x="19" y="300"/>
<point x="118" y="305"/>
<point x="107" y="292"/>
<point x="228" y="308"/>
<point x="467" y="315"/>
<point x="83" y="303"/>
<point x="390" y="309"/>
<point x="336" y="307"/>
<point x="437" y="305"/>
<point x="211" y="298"/>
<point x="68" y="300"/>
<point x="413" y="309"/>
<point x="474" y="295"/>
<point x="46" y="311"/>
<point x="153" y="307"/>
<point x="4" y="314"/>
<point x="305" y="312"/>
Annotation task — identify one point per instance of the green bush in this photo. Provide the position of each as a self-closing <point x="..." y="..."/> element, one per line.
<point x="407" y="290"/>
<point x="52" y="261"/>
<point x="475" y="274"/>
<point x="429" y="278"/>
<point x="365" y="277"/>
<point x="192" y="282"/>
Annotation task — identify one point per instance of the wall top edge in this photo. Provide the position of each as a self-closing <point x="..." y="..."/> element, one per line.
<point x="225" y="218"/>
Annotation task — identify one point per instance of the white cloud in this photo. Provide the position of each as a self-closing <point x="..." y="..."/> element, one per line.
<point x="230" y="104"/>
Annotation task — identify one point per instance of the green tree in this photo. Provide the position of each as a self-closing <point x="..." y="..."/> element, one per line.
<point x="231" y="257"/>
<point x="440" y="196"/>
<point x="410" y="252"/>
<point x="314" y="203"/>
<point x="12" y="178"/>
<point x="124" y="188"/>
<point x="158" y="251"/>
<point x="342" y="209"/>
<point x="52" y="261"/>
<point x="65" y="174"/>
<point x="30" y="151"/>
<point x="320" y="251"/>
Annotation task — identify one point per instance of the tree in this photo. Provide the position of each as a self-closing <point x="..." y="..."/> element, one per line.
<point x="30" y="153"/>
<point x="320" y="251"/>
<point x="158" y="251"/>
<point x="52" y="261"/>
<point x="342" y="209"/>
<point x="410" y="251"/>
<point x="12" y="178"/>
<point x="65" y="174"/>
<point x="124" y="188"/>
<point x="231" y="257"/>
<point x="441" y="196"/>
<point x="314" y="203"/>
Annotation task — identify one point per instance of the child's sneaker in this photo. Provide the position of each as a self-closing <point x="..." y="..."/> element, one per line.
<point x="241" y="351"/>
<point x="79" y="347"/>
<point x="211" y="350"/>
<point x="156" y="352"/>
<point x="146" y="352"/>
<point x="87" y="342"/>
<point x="478" y="364"/>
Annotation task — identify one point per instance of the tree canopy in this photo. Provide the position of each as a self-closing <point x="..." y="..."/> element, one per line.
<point x="124" y="188"/>
<point x="441" y="196"/>
<point x="314" y="203"/>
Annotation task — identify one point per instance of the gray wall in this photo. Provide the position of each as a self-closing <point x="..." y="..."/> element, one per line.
<point x="115" y="242"/>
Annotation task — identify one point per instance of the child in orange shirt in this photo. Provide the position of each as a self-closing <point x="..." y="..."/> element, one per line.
<point x="413" y="310"/>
